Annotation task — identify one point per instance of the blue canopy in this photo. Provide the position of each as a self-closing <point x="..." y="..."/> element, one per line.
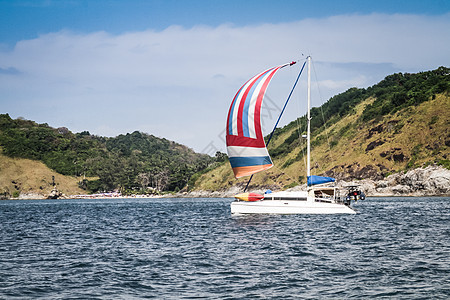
<point x="314" y="179"/>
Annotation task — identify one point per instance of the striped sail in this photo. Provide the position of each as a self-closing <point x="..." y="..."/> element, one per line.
<point x="245" y="142"/>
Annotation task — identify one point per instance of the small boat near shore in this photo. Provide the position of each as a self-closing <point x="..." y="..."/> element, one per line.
<point x="248" y="154"/>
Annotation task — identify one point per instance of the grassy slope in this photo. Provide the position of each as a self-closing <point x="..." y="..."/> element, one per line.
<point x="30" y="176"/>
<point x="409" y="138"/>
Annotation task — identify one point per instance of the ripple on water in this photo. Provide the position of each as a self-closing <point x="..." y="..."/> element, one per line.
<point x="192" y="248"/>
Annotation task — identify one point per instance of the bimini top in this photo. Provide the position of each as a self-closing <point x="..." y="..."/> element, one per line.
<point x="245" y="142"/>
<point x="313" y="180"/>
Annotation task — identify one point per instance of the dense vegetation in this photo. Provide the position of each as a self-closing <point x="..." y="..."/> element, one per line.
<point x="395" y="92"/>
<point x="130" y="162"/>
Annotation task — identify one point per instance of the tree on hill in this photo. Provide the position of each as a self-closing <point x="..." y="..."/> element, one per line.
<point x="119" y="162"/>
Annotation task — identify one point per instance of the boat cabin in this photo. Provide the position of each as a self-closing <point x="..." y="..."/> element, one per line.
<point x="324" y="194"/>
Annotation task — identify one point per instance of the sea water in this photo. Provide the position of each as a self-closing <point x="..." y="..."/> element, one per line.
<point x="193" y="248"/>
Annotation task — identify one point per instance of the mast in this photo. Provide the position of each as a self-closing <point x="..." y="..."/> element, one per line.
<point x="308" y="134"/>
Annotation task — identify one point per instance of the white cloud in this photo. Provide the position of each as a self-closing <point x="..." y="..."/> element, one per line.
<point x="178" y="83"/>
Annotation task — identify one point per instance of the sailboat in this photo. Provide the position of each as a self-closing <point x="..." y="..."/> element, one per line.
<point x="248" y="154"/>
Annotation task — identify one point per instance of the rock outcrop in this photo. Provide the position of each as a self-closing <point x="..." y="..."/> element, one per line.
<point x="429" y="181"/>
<point x="55" y="194"/>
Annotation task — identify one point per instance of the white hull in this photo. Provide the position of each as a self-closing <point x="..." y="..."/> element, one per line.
<point x="289" y="207"/>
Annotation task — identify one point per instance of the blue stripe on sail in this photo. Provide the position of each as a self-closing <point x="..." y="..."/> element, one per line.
<point x="230" y="121"/>
<point x="250" y="161"/>
<point x="245" y="128"/>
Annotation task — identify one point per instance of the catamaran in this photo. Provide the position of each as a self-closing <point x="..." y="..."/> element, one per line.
<point x="248" y="154"/>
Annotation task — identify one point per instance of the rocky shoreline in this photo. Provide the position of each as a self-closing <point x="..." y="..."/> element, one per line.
<point x="428" y="181"/>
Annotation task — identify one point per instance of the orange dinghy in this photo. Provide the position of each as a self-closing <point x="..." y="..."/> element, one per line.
<point x="249" y="197"/>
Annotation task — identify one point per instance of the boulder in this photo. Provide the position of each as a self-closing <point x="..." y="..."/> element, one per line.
<point x="54" y="194"/>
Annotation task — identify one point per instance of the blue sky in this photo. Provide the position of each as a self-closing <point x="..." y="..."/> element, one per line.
<point x="25" y="19"/>
<point x="171" y="68"/>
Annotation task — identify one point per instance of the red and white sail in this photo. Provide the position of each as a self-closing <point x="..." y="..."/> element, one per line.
<point x="245" y="142"/>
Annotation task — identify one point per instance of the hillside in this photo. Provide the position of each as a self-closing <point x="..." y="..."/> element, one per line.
<point x="131" y="163"/>
<point x="399" y="124"/>
<point x="26" y="176"/>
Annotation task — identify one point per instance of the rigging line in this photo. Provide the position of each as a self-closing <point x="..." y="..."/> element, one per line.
<point x="302" y="144"/>
<point x="282" y="111"/>
<point x="301" y="127"/>
<point x="321" y="111"/>
<point x="285" y="104"/>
